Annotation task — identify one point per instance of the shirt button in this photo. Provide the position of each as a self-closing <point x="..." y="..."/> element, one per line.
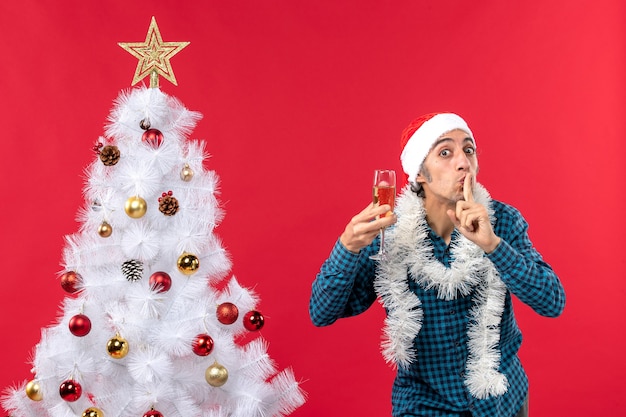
<point x="462" y="374"/>
<point x="452" y="312"/>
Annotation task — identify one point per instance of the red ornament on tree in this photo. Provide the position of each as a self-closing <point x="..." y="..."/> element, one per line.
<point x="253" y="320"/>
<point x="153" y="137"/>
<point x="227" y="313"/>
<point x="153" y="413"/>
<point x="98" y="147"/>
<point x="202" y="345"/>
<point x="80" y="325"/>
<point x="70" y="281"/>
<point x="160" y="281"/>
<point x="70" y="390"/>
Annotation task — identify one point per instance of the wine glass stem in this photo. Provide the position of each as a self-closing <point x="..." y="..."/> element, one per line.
<point x="381" y="249"/>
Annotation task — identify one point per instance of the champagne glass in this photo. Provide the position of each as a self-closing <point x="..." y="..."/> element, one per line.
<point x="383" y="192"/>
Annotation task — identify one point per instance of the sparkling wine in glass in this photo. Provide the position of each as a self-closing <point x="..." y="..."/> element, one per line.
<point x="384" y="192"/>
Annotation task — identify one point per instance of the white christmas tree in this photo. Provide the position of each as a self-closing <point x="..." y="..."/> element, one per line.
<point x="152" y="325"/>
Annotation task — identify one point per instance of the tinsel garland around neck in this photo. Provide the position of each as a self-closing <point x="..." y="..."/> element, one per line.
<point x="410" y="256"/>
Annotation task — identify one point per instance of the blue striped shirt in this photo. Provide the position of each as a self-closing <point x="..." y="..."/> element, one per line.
<point x="433" y="385"/>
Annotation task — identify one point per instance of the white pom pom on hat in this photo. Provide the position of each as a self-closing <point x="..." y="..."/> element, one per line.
<point x="420" y="136"/>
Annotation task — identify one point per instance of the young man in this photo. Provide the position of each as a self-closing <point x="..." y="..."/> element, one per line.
<point x="454" y="257"/>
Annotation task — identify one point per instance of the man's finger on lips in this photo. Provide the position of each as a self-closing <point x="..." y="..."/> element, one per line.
<point x="471" y="220"/>
<point x="460" y="208"/>
<point x="467" y="188"/>
<point x="463" y="217"/>
<point x="469" y="223"/>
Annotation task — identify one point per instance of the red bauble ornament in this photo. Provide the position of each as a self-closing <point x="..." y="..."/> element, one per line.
<point x="153" y="137"/>
<point x="70" y="390"/>
<point x="227" y="313"/>
<point x="70" y="281"/>
<point x="202" y="345"/>
<point x="253" y="320"/>
<point x="80" y="325"/>
<point x="160" y="281"/>
<point x="153" y="413"/>
<point x="98" y="147"/>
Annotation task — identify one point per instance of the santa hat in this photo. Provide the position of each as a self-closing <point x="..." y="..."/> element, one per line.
<point x="420" y="136"/>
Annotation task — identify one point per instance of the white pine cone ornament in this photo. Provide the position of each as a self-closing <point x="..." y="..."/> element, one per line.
<point x="132" y="270"/>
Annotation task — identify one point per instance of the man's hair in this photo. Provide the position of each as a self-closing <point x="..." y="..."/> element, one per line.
<point x="417" y="187"/>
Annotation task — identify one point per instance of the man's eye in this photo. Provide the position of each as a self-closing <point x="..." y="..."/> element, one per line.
<point x="444" y="152"/>
<point x="470" y="150"/>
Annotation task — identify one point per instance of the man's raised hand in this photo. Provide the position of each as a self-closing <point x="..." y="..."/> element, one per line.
<point x="364" y="227"/>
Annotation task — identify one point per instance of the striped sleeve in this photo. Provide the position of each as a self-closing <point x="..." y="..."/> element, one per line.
<point x="344" y="286"/>
<point x="522" y="268"/>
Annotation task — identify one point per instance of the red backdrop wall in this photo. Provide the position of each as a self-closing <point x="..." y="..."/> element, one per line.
<point x="311" y="97"/>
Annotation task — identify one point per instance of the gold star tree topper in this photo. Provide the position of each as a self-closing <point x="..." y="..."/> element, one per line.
<point x="154" y="56"/>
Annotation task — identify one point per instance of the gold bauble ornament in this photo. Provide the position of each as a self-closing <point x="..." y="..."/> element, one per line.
<point x="93" y="412"/>
<point x="188" y="263"/>
<point x="33" y="391"/>
<point x="216" y="375"/>
<point x="105" y="229"/>
<point x="136" y="207"/>
<point x="117" y="347"/>
<point x="186" y="174"/>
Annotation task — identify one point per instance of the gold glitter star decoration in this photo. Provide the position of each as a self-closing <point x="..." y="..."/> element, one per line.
<point x="154" y="56"/>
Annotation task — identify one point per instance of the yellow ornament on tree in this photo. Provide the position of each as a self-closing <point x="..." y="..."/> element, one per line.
<point x="188" y="263"/>
<point x="105" y="229"/>
<point x="136" y="207"/>
<point x="33" y="391"/>
<point x="186" y="174"/>
<point x="93" y="412"/>
<point x="154" y="56"/>
<point x="117" y="347"/>
<point x="216" y="375"/>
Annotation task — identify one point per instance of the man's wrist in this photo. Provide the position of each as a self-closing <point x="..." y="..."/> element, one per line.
<point x="493" y="246"/>
<point x="348" y="247"/>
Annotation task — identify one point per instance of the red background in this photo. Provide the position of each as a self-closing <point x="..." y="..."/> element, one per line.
<point x="302" y="100"/>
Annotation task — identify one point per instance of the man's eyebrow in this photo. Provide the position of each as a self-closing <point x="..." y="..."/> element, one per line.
<point x="447" y="139"/>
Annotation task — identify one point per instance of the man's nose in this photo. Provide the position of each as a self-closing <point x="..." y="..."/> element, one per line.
<point x="462" y="161"/>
